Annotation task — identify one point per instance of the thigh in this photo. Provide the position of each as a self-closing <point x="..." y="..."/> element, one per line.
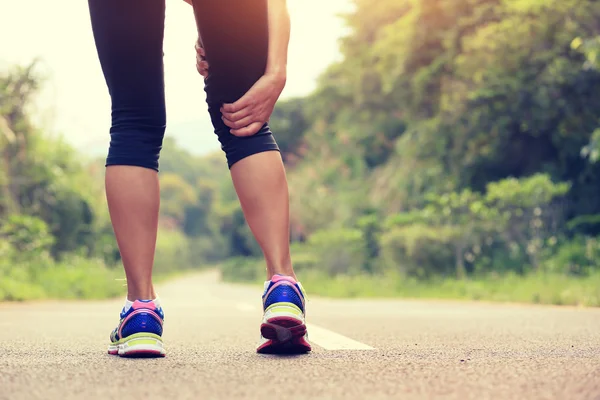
<point x="129" y="40"/>
<point x="235" y="35"/>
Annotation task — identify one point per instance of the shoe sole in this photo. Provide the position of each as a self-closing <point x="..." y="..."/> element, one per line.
<point x="138" y="346"/>
<point x="283" y="335"/>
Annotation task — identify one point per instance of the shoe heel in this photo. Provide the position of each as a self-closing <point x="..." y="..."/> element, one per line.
<point x="282" y="329"/>
<point x="284" y="335"/>
<point x="142" y="345"/>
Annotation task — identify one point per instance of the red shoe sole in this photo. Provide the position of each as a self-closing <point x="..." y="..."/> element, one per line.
<point x="286" y="336"/>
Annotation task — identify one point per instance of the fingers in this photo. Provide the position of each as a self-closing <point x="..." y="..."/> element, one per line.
<point x="202" y="68"/>
<point x="248" y="130"/>
<point x="238" y="124"/>
<point x="200" y="50"/>
<point x="201" y="64"/>
<point x="245" y="101"/>
<point x="238" y="115"/>
<point x="242" y="122"/>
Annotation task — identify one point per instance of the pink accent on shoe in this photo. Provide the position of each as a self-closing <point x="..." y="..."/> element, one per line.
<point x="140" y="304"/>
<point x="277" y="278"/>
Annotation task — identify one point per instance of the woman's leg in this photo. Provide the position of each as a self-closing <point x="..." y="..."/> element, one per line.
<point x="234" y="35"/>
<point x="261" y="185"/>
<point x="129" y="40"/>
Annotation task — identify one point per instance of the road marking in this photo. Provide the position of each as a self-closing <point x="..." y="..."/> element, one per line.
<point x="325" y="338"/>
<point x="330" y="340"/>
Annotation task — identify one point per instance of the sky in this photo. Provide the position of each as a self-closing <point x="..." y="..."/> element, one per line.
<point x="74" y="102"/>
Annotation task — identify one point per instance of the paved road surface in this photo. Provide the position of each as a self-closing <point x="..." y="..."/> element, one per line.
<point x="364" y="350"/>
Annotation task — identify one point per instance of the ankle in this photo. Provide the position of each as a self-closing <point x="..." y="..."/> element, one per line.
<point x="280" y="268"/>
<point x="141" y="294"/>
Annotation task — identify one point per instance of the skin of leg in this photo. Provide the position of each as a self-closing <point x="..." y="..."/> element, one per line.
<point x="237" y="60"/>
<point x="261" y="185"/>
<point x="129" y="40"/>
<point x="133" y="202"/>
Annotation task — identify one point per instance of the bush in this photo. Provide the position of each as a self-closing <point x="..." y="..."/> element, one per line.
<point x="16" y="283"/>
<point x="172" y="252"/>
<point x="404" y="219"/>
<point x="27" y="278"/>
<point x="304" y="258"/>
<point x="80" y="278"/>
<point x="339" y="251"/>
<point x="370" y="226"/>
<point x="205" y="250"/>
<point x="28" y="235"/>
<point x="418" y="250"/>
<point x="579" y="257"/>
<point x="501" y="257"/>
<point x="243" y="269"/>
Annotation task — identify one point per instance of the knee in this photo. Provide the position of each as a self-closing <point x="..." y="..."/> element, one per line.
<point x="137" y="139"/>
<point x="237" y="148"/>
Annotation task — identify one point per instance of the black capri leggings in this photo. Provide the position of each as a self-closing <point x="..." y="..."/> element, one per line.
<point x="129" y="39"/>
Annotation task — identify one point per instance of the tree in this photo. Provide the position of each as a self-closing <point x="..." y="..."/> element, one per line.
<point x="40" y="177"/>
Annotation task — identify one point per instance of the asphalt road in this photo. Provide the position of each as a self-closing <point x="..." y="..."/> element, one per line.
<point x="363" y="349"/>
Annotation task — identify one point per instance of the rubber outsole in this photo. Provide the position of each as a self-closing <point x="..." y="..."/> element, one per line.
<point x="284" y="335"/>
<point x="143" y="354"/>
<point x="138" y="347"/>
<point x="138" y="354"/>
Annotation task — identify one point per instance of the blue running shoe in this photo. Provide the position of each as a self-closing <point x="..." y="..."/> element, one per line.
<point x="283" y="329"/>
<point x="139" y="334"/>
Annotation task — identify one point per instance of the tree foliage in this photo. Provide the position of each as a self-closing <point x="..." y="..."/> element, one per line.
<point x="453" y="138"/>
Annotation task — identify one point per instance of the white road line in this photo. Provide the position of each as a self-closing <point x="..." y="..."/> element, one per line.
<point x="325" y="338"/>
<point x="330" y="340"/>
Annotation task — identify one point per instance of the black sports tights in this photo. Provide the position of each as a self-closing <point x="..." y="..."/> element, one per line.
<point x="129" y="39"/>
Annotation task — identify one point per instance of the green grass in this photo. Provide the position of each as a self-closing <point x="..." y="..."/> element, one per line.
<point x="538" y="288"/>
<point x="535" y="288"/>
<point x="80" y="278"/>
<point x="75" y="278"/>
<point x="37" y="276"/>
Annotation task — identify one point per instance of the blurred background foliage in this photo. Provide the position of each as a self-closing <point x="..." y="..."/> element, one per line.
<point x="452" y="152"/>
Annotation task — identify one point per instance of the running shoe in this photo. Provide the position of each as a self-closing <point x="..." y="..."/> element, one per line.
<point x="139" y="333"/>
<point x="283" y="329"/>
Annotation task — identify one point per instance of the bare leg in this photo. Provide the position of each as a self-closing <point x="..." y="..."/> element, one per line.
<point x="133" y="202"/>
<point x="261" y="185"/>
<point x="129" y="38"/>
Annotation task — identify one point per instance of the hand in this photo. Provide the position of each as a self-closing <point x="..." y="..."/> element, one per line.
<point x="201" y="64"/>
<point x="246" y="116"/>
